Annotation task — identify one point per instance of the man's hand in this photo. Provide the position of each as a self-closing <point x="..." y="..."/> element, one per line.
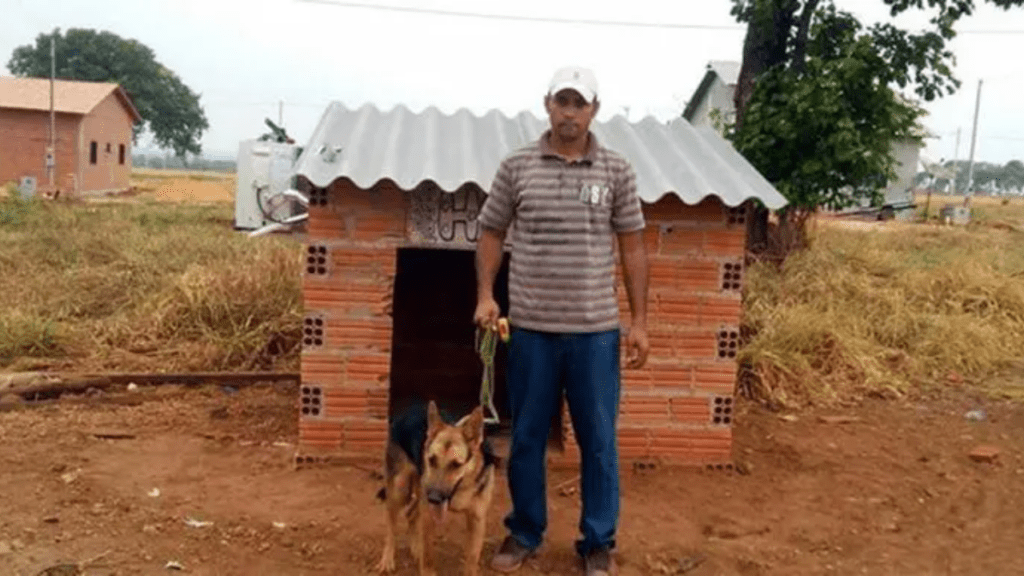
<point x="637" y="347"/>
<point x="486" y="315"/>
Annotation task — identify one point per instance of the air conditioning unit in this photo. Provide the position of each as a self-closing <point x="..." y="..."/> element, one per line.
<point x="265" y="172"/>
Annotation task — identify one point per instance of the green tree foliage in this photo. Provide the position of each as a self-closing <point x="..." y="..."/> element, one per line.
<point x="817" y="104"/>
<point x="998" y="178"/>
<point x="170" y="109"/>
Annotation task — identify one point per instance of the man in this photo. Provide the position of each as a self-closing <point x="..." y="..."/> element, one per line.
<point x="567" y="199"/>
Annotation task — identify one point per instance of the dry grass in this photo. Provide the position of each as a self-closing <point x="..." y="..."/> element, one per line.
<point x="167" y="173"/>
<point x="143" y="286"/>
<point x="984" y="209"/>
<point x="140" y="285"/>
<point x="885" y="309"/>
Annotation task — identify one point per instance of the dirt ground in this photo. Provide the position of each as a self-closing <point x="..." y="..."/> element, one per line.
<point x="194" y="191"/>
<point x="177" y="186"/>
<point x="891" y="493"/>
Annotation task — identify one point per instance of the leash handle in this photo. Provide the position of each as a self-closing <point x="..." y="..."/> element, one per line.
<point x="486" y="344"/>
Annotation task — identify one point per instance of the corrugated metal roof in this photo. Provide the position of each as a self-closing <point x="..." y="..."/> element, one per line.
<point x="368" y="145"/>
<point x="727" y="70"/>
<point x="69" y="96"/>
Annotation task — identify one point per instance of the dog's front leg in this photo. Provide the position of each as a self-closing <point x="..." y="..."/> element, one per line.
<point x="387" y="558"/>
<point x="476" y="524"/>
<point x="425" y="535"/>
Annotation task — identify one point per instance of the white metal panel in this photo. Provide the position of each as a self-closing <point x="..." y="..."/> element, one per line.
<point x="265" y="170"/>
<point x="367" y="145"/>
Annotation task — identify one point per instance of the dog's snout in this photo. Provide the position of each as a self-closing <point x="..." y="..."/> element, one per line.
<point x="435" y="496"/>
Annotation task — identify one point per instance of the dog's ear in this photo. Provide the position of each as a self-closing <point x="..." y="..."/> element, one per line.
<point x="433" y="418"/>
<point x="473" y="427"/>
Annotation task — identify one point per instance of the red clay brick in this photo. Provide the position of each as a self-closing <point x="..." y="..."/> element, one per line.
<point x="698" y="275"/>
<point x="670" y="208"/>
<point x="363" y="261"/>
<point x="669" y="376"/>
<point x="366" y="430"/>
<point x="320" y="446"/>
<point x="715" y="378"/>
<point x="662" y="345"/>
<point x="636" y="379"/>
<point x="318" y="295"/>
<point x="633" y="442"/>
<point x="630" y="431"/>
<point x="383" y="196"/>
<point x="667" y="209"/>
<point x="710" y="211"/>
<point x="690" y="409"/>
<point x="322" y="367"/>
<point x="681" y="241"/>
<point x="341" y="402"/>
<point x="373" y="333"/>
<point x="681" y="309"/>
<point x="668" y="341"/>
<point x="633" y="452"/>
<point x="323" y="431"/>
<point x="325" y="225"/>
<point x="372" y="368"/>
<point x="725" y="242"/>
<point x="359" y="214"/>
<point x="692" y="456"/>
<point x="646" y="407"/>
<point x="718" y="310"/>
<point x="695" y="345"/>
<point x="378" y="403"/>
<point x="323" y="361"/>
<point x="365" y="445"/>
<point x="688" y="442"/>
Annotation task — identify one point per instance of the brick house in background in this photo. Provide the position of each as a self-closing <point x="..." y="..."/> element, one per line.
<point x="389" y="282"/>
<point x="93" y="123"/>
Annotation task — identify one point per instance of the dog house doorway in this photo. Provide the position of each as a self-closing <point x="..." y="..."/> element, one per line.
<point x="433" y="354"/>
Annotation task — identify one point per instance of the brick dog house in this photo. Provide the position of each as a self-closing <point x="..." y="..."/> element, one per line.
<point x="389" y="278"/>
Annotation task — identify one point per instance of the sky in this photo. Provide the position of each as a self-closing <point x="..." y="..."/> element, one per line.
<point x="288" y="59"/>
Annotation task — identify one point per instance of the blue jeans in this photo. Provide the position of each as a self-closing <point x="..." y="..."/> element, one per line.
<point x="588" y="364"/>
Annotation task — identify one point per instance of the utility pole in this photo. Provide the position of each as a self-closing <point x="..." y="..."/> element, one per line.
<point x="956" y="158"/>
<point x="51" y="151"/>
<point x="974" y="139"/>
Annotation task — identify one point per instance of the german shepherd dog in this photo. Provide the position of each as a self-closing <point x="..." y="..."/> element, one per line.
<point x="431" y="467"/>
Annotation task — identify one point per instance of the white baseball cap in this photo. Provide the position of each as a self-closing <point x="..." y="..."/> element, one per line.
<point x="577" y="78"/>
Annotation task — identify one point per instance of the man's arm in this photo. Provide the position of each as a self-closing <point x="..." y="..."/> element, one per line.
<point x="496" y="215"/>
<point x="628" y="222"/>
<point x="633" y="252"/>
<point x="488" y="261"/>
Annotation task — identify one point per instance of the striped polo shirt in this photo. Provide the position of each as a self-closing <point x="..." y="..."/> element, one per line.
<point x="563" y="217"/>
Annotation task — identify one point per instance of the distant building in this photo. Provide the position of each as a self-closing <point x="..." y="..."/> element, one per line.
<point x="715" y="93"/>
<point x="93" y="122"/>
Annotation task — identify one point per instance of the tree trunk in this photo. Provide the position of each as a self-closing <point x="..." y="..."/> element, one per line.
<point x="800" y="44"/>
<point x="764" y="47"/>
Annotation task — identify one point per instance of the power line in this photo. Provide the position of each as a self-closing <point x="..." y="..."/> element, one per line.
<point x="585" y="21"/>
<point x="518" y="18"/>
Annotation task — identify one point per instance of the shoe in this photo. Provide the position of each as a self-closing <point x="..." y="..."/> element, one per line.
<point x="510" y="555"/>
<point x="599" y="562"/>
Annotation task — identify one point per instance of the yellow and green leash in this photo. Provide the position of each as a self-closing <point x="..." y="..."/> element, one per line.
<point x="486" y="344"/>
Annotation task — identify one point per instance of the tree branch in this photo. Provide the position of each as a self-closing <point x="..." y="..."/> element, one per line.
<point x="764" y="46"/>
<point x="800" y="45"/>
